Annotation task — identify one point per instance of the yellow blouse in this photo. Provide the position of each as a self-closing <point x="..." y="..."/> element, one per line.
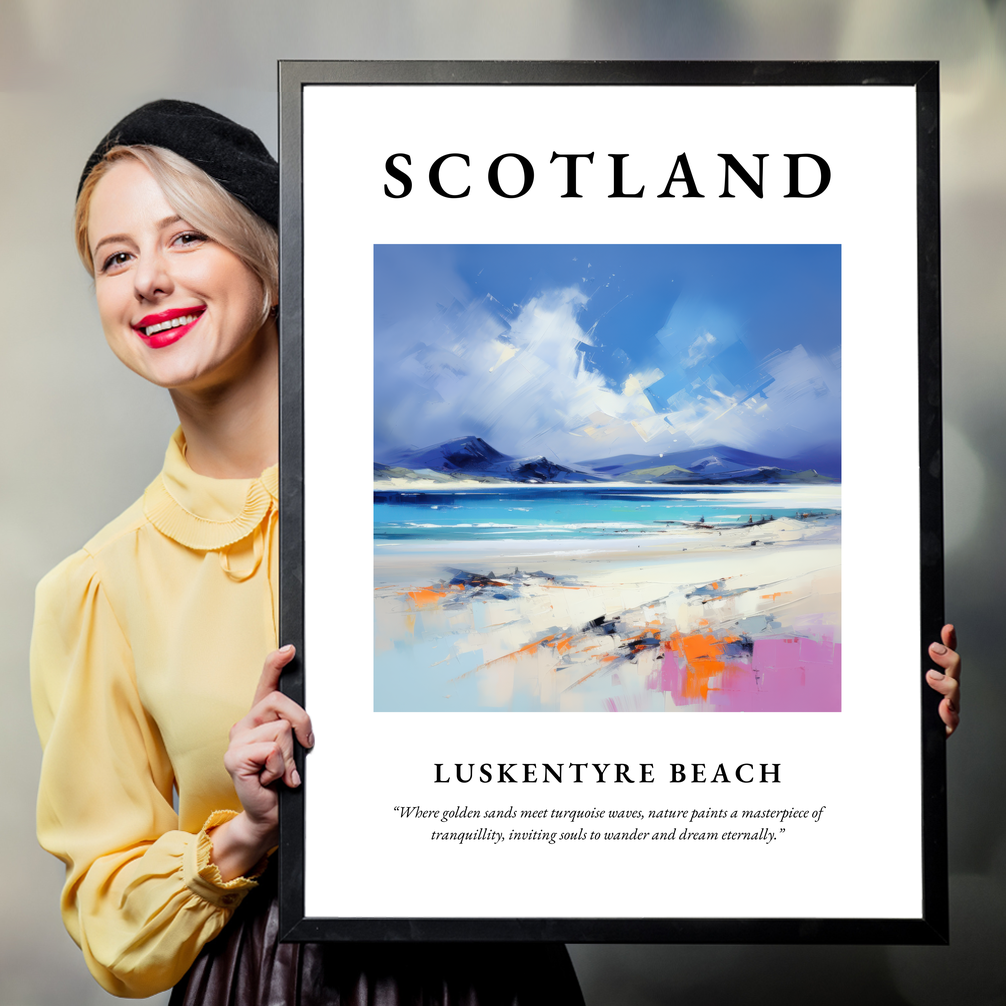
<point x="147" y="647"/>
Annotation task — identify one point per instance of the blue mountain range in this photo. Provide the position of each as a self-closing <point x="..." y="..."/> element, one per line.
<point x="716" y="464"/>
<point x="473" y="457"/>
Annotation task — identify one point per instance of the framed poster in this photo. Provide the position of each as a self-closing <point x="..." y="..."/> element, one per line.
<point x="611" y="501"/>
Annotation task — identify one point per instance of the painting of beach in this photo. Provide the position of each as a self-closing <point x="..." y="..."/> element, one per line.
<point x="607" y="478"/>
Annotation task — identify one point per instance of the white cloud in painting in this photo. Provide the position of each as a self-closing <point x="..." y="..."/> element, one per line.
<point x="798" y="407"/>
<point x="520" y="378"/>
<point x="700" y="350"/>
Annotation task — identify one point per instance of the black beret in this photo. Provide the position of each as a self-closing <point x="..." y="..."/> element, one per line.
<point x="231" y="154"/>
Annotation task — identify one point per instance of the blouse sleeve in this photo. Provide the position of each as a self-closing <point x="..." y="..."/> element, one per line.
<point x="141" y="898"/>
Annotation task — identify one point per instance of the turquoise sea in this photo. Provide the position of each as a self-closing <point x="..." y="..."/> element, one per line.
<point x="595" y="511"/>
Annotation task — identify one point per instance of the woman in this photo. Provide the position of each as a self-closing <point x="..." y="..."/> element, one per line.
<point x="148" y="643"/>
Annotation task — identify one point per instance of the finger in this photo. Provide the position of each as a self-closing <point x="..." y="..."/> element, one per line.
<point x="274" y="766"/>
<point x="948" y="659"/>
<point x="950" y="716"/>
<point x="259" y="760"/>
<point x="949" y="636"/>
<point x="276" y="706"/>
<point x="947" y="686"/>
<point x="271" y="670"/>
<point x="280" y="733"/>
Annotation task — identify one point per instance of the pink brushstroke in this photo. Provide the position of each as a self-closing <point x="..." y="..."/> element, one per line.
<point x="783" y="674"/>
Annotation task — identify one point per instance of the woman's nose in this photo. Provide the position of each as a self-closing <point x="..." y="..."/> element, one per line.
<point x="152" y="277"/>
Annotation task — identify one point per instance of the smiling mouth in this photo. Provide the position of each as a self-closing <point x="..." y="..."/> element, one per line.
<point x="167" y="321"/>
<point x="185" y="319"/>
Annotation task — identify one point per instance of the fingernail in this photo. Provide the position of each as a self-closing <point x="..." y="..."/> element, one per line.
<point x="295" y="777"/>
<point x="938" y="648"/>
<point x="287" y="649"/>
<point x="310" y="740"/>
<point x="936" y="675"/>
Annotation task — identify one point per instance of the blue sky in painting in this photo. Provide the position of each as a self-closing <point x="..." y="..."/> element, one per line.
<point x="580" y="352"/>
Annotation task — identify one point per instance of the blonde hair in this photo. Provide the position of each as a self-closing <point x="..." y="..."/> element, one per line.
<point x="199" y="200"/>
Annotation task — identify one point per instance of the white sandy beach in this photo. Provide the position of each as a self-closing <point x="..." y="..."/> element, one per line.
<point x="584" y="623"/>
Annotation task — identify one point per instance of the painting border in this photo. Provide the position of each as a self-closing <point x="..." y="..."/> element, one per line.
<point x="933" y="926"/>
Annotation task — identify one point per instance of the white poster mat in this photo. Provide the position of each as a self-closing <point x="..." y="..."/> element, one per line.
<point x="863" y="857"/>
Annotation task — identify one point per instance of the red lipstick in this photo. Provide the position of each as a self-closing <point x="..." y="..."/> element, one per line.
<point x="165" y="333"/>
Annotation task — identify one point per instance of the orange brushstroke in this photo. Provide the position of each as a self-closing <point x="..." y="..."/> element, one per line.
<point x="775" y="596"/>
<point x="584" y="678"/>
<point x="703" y="654"/>
<point x="523" y="651"/>
<point x="426" y="596"/>
<point x="528" y="647"/>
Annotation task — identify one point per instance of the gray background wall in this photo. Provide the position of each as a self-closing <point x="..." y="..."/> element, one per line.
<point x="82" y="436"/>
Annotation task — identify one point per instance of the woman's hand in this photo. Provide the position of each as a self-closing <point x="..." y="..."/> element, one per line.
<point x="260" y="753"/>
<point x="948" y="681"/>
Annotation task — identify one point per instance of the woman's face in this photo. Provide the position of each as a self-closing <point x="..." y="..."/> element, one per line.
<point x="177" y="308"/>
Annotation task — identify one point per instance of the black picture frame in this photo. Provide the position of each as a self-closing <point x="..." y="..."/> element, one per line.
<point x="932" y="925"/>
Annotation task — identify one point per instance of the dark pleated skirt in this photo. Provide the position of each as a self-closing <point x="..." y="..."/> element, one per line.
<point x="246" y="965"/>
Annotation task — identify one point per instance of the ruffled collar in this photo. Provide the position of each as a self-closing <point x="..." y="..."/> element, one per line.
<point x="203" y="513"/>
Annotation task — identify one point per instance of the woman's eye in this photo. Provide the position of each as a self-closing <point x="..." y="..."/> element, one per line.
<point x="190" y="238"/>
<point x="114" y="261"/>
